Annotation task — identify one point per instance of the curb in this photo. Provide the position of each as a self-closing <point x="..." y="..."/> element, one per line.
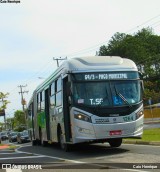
<point x="2" y="147"/>
<point x="7" y="147"/>
<point x="152" y="122"/>
<point x="140" y="142"/>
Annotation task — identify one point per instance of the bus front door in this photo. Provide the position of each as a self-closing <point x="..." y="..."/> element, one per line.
<point x="66" y="109"/>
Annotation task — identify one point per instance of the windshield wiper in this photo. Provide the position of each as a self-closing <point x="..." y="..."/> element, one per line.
<point x="122" y="97"/>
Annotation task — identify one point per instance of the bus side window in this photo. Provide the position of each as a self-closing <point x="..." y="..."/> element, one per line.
<point x="59" y="84"/>
<point x="38" y="102"/>
<point x="52" y="95"/>
<point x="58" y="90"/>
<point x="42" y="101"/>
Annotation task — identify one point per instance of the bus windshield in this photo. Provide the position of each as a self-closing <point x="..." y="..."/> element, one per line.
<point x="107" y="93"/>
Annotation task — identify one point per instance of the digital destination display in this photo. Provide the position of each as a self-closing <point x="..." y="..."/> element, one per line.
<point x="105" y="76"/>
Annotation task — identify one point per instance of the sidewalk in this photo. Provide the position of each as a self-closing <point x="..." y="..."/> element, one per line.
<point x="151" y="120"/>
<point x="140" y="142"/>
<point x="5" y="146"/>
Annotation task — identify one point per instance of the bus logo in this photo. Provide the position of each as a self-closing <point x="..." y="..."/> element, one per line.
<point x="114" y="119"/>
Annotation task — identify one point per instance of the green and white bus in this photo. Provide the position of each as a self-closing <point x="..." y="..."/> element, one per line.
<point x="86" y="100"/>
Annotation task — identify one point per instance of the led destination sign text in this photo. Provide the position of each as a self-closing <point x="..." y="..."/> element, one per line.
<point x="103" y="76"/>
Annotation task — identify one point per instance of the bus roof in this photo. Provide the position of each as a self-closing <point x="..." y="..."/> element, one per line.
<point x="91" y="64"/>
<point x="100" y="63"/>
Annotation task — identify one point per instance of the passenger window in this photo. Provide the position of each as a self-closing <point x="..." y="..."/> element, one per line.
<point x="58" y="99"/>
<point x="53" y="88"/>
<point x="43" y="96"/>
<point x="52" y="101"/>
<point x="59" y="84"/>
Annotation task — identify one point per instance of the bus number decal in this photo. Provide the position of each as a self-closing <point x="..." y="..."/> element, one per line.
<point x="96" y="101"/>
<point x="128" y="118"/>
<point x="89" y="77"/>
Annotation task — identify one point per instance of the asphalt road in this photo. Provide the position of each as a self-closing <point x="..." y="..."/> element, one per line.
<point x="91" y="157"/>
<point x="96" y="156"/>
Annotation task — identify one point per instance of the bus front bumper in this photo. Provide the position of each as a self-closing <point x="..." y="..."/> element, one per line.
<point x="89" y="132"/>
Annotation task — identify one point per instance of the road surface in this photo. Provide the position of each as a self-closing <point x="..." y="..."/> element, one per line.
<point x="96" y="156"/>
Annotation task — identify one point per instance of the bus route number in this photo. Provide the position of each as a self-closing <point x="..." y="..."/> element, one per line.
<point x="96" y="101"/>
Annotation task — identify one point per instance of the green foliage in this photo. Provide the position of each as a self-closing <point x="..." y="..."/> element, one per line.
<point x="10" y="122"/>
<point x="151" y="91"/>
<point x="20" y="128"/>
<point x="149" y="135"/>
<point x="144" y="49"/>
<point x="19" y="118"/>
<point x="4" y="102"/>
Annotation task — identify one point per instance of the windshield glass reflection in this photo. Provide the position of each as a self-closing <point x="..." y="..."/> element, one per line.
<point x="104" y="93"/>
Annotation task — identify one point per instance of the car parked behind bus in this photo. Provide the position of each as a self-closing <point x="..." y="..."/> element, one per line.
<point x="3" y="136"/>
<point x="12" y="137"/>
<point x="23" y="137"/>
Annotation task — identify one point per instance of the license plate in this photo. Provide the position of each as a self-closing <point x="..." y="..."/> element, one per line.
<point x="115" y="132"/>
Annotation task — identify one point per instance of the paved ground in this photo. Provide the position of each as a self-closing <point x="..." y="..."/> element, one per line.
<point x="146" y="121"/>
<point x="151" y="120"/>
<point x="4" y="147"/>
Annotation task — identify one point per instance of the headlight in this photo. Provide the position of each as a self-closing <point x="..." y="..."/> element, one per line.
<point x="139" y="114"/>
<point x="82" y="117"/>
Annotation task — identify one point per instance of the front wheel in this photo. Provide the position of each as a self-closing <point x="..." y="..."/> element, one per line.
<point x="115" y="142"/>
<point x="64" y="146"/>
<point x="34" y="142"/>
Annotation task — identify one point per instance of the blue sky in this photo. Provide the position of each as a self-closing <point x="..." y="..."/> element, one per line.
<point x="32" y="32"/>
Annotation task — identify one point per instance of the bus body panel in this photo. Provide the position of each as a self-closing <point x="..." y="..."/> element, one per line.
<point x="88" y="132"/>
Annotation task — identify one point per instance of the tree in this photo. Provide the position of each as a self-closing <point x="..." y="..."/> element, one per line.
<point x="10" y="122"/>
<point x="4" y="102"/>
<point x="19" y="120"/>
<point x="114" y="46"/>
<point x="144" y="49"/>
<point x="150" y="92"/>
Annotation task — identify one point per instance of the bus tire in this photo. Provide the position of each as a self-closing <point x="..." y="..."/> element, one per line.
<point x="115" y="142"/>
<point x="44" y="143"/>
<point x="39" y="142"/>
<point x="64" y="146"/>
<point x="34" y="142"/>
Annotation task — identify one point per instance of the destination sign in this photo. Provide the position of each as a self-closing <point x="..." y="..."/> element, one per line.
<point x="105" y="76"/>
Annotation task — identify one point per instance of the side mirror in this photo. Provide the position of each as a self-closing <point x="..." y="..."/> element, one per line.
<point x="140" y="75"/>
